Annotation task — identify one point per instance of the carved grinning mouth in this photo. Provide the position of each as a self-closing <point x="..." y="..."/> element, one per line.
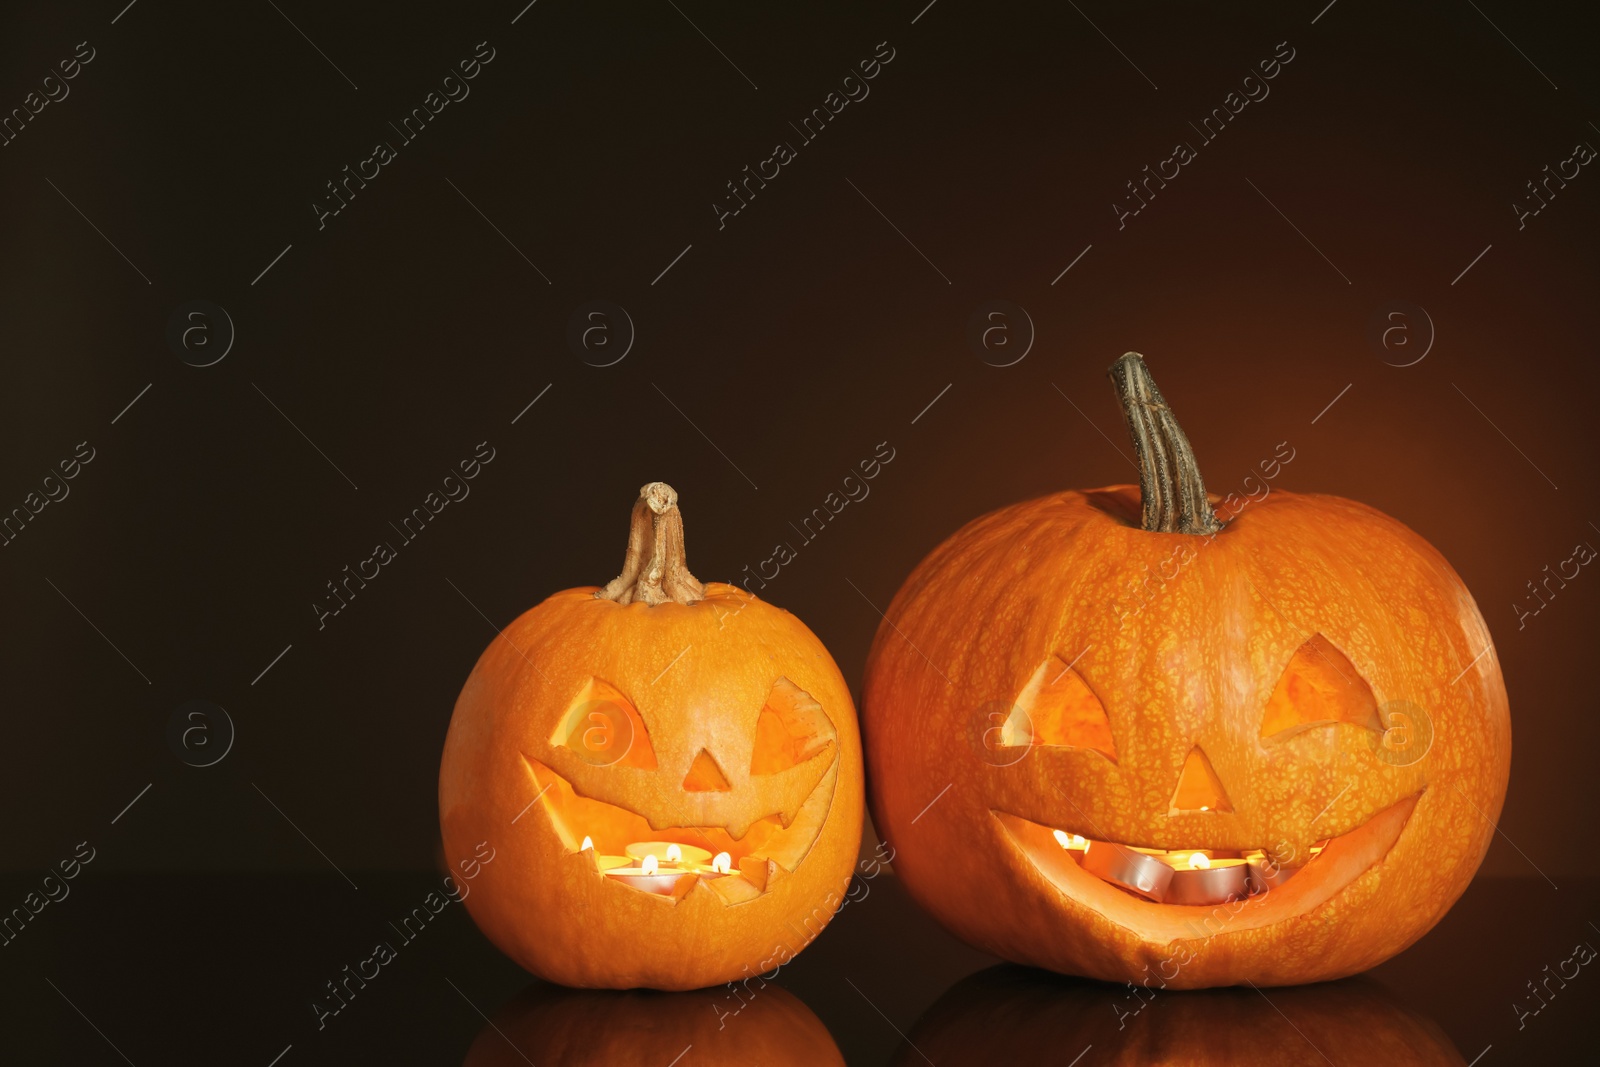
<point x="767" y="851"/>
<point x="1334" y="866"/>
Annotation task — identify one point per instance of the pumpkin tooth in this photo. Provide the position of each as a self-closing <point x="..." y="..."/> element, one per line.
<point x="733" y="890"/>
<point x="764" y="851"/>
<point x="757" y="870"/>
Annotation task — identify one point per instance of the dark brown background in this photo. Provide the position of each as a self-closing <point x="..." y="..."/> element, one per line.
<point x="796" y="339"/>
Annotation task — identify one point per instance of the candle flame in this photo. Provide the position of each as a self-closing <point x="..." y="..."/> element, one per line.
<point x="722" y="863"/>
<point x="674" y="853"/>
<point x="650" y="864"/>
<point x="1199" y="862"/>
<point x="1069" y="841"/>
<point x="587" y="846"/>
<point x="1061" y="837"/>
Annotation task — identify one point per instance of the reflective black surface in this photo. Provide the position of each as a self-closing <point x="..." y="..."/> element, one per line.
<point x="360" y="357"/>
<point x="204" y="970"/>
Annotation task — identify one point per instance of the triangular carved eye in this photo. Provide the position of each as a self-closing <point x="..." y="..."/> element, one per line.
<point x="604" y="728"/>
<point x="1058" y="709"/>
<point x="1320" y="686"/>
<point x="791" y="729"/>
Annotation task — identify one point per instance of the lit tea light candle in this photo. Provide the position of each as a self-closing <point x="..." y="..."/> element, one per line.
<point x="721" y="864"/>
<point x="1133" y="870"/>
<point x="649" y="876"/>
<point x="1199" y="879"/>
<point x="601" y="863"/>
<point x="670" y="852"/>
<point x="1186" y="858"/>
<point x="1070" y="842"/>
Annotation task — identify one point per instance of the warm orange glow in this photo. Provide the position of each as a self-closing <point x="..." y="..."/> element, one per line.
<point x="1199" y="789"/>
<point x="1063" y="711"/>
<point x="649" y="865"/>
<point x="1320" y="685"/>
<point x="616" y="831"/>
<point x="722" y="863"/>
<point x="705" y="776"/>
<point x="790" y="730"/>
<point x="587" y="846"/>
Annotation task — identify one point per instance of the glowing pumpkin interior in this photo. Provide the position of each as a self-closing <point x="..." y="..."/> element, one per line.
<point x="792" y="734"/>
<point x="1319" y="689"/>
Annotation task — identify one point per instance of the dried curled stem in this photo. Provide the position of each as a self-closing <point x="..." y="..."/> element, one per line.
<point x="1173" y="493"/>
<point x="655" y="569"/>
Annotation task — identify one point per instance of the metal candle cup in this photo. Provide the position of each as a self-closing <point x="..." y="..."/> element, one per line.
<point x="1137" y="872"/>
<point x="1223" y="880"/>
<point x="1266" y="874"/>
<point x="661" y="882"/>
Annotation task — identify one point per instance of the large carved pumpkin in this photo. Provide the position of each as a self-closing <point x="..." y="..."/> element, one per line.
<point x="763" y="1025"/>
<point x="1086" y="713"/>
<point x="670" y="774"/>
<point x="1012" y="1015"/>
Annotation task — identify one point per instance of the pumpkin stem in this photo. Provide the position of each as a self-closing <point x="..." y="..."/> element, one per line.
<point x="654" y="568"/>
<point x="1170" y="486"/>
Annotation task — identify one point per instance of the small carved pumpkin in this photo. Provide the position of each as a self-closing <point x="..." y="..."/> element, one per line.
<point x="1112" y="736"/>
<point x="670" y="773"/>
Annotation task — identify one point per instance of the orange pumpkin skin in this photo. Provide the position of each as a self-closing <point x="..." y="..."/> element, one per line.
<point x="1011" y="1015"/>
<point x="1190" y="660"/>
<point x="699" y="676"/>
<point x="767" y="1025"/>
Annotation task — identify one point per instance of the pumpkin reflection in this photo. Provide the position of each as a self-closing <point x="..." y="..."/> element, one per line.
<point x="547" y="1024"/>
<point x="1010" y="1014"/>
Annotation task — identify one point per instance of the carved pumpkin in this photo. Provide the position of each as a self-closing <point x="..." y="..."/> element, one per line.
<point x="551" y="1025"/>
<point x="1010" y="1015"/>
<point x="1074" y="700"/>
<point x="670" y="773"/>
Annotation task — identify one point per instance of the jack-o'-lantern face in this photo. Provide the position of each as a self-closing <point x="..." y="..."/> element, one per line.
<point x="673" y="788"/>
<point x="1322" y="789"/>
<point x="1112" y="736"/>
<point x="614" y="801"/>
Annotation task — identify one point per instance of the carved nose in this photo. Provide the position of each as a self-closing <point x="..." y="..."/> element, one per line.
<point x="1199" y="788"/>
<point x="705" y="776"/>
